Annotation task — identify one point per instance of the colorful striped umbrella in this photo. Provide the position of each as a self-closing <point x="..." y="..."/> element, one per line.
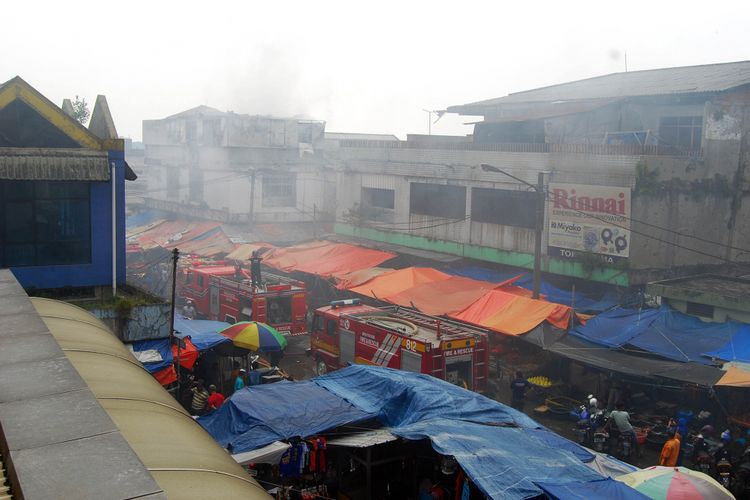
<point x="255" y="336"/>
<point x="672" y="483"/>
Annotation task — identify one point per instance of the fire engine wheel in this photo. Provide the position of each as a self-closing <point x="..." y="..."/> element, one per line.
<point x="320" y="367"/>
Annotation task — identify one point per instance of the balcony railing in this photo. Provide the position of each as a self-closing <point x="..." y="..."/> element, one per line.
<point x="592" y="149"/>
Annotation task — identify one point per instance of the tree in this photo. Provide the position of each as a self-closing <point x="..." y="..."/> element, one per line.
<point x="81" y="110"/>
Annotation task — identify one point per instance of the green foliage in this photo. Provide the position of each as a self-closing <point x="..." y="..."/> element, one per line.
<point x="81" y="110"/>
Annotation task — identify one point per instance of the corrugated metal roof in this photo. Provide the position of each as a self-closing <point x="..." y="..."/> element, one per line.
<point x="364" y="439"/>
<point x="53" y="164"/>
<point x="665" y="81"/>
<point x="340" y="136"/>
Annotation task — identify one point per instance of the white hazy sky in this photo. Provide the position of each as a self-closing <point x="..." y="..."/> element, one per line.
<point x="362" y="67"/>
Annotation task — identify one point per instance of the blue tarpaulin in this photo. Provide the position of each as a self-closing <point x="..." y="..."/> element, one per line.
<point x="603" y="488"/>
<point x="258" y="415"/>
<point x="737" y="349"/>
<point x="580" y="301"/>
<point x="203" y="333"/>
<point x="159" y="345"/>
<point x="663" y="331"/>
<point x="502" y="450"/>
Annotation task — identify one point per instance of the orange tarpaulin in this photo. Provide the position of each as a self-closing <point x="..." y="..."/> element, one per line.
<point x="512" y="314"/>
<point x="188" y="355"/>
<point x="166" y="376"/>
<point x="735" y="377"/>
<point x="355" y="278"/>
<point x="326" y="258"/>
<point x="388" y="284"/>
<point x="200" y="238"/>
<point x="443" y="297"/>
<point x="245" y="251"/>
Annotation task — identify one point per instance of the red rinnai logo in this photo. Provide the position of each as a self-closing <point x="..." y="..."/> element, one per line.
<point x="567" y="199"/>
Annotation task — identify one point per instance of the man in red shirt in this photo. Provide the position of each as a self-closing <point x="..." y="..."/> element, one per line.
<point x="215" y="399"/>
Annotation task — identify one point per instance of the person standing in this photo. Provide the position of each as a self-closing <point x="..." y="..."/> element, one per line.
<point x="239" y="382"/>
<point x="215" y="398"/>
<point x="200" y="398"/>
<point x="671" y="450"/>
<point x="518" y="388"/>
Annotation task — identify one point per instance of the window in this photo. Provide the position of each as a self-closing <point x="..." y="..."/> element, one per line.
<point x="44" y="223"/>
<point x="317" y="323"/>
<point x="504" y="207"/>
<point x="439" y="200"/>
<point x="228" y="318"/>
<point x="280" y="190"/>
<point x="379" y="198"/>
<point x="702" y="310"/>
<point x="331" y="327"/>
<point x="199" y="280"/>
<point x="279" y="310"/>
<point x="681" y="133"/>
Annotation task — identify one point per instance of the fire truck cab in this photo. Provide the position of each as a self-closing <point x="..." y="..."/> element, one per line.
<point x="348" y="332"/>
<point x="227" y="293"/>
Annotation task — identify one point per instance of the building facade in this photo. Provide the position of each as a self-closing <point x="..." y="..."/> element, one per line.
<point x="644" y="178"/>
<point x="237" y="168"/>
<point x="59" y="186"/>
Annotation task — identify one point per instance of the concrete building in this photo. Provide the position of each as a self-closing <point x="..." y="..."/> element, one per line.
<point x="645" y="178"/>
<point x="59" y="186"/>
<point x="709" y="297"/>
<point x="233" y="168"/>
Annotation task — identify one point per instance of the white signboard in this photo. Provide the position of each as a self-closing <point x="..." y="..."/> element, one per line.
<point x="585" y="218"/>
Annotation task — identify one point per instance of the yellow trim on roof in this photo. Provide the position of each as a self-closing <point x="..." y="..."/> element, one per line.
<point x="18" y="89"/>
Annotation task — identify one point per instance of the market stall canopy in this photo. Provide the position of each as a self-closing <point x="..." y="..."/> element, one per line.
<point x="603" y="488"/>
<point x="735" y="377"/>
<point x="483" y="435"/>
<point x="356" y="278"/>
<point x="668" y="333"/>
<point x="442" y="297"/>
<point x="199" y="238"/>
<point x="325" y="258"/>
<point x="245" y="250"/>
<point x="511" y="314"/>
<point x="395" y="282"/>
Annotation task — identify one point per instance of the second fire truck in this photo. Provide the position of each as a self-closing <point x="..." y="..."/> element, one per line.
<point x="350" y="332"/>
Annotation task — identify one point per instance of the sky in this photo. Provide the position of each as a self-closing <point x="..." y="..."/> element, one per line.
<point x="362" y="67"/>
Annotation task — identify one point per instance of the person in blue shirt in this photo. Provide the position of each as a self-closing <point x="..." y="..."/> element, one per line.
<point x="239" y="382"/>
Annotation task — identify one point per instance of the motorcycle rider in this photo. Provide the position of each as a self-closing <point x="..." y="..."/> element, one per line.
<point x="723" y="453"/>
<point x="621" y="418"/>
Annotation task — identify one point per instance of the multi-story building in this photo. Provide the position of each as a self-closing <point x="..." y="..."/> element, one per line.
<point x="62" y="206"/>
<point x="644" y="178"/>
<point x="237" y="168"/>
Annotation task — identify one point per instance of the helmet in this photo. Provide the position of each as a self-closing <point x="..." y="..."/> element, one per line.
<point x="707" y="430"/>
<point x="726" y="436"/>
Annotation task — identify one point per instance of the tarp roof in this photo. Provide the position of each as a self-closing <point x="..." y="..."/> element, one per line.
<point x="183" y="459"/>
<point x="200" y="238"/>
<point x="511" y="314"/>
<point x="245" y="250"/>
<point x="735" y="377"/>
<point x="668" y="333"/>
<point x="394" y="282"/>
<point x="483" y="435"/>
<point x="360" y="276"/>
<point x="442" y="297"/>
<point x="325" y="258"/>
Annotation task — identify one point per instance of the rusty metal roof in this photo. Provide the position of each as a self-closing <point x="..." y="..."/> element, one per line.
<point x="53" y="164"/>
<point x="665" y="81"/>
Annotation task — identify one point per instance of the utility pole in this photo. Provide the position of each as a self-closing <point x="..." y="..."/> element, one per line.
<point x="541" y="196"/>
<point x="175" y="257"/>
<point x="251" y="213"/>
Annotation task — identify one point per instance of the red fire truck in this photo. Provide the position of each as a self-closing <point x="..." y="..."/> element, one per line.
<point x="349" y="332"/>
<point x="227" y="293"/>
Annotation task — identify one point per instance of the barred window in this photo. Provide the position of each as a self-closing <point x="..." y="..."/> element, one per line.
<point x="280" y="190"/>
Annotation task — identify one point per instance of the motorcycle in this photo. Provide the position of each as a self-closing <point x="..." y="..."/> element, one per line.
<point x="704" y="463"/>
<point x="583" y="425"/>
<point x="742" y="477"/>
<point x="724" y="472"/>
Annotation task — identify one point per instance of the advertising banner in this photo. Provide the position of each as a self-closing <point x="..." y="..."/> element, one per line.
<point x="587" y="218"/>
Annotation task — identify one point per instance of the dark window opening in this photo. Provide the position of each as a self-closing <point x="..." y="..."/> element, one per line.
<point x="200" y="280"/>
<point x="331" y="327"/>
<point x="438" y="200"/>
<point x="279" y="310"/>
<point x="44" y="223"/>
<point x="702" y="310"/>
<point x="681" y="133"/>
<point x="379" y="198"/>
<point x="504" y="207"/>
<point x="228" y="318"/>
<point x="317" y="323"/>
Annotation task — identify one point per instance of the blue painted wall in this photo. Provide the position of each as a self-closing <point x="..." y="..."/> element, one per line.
<point x="99" y="271"/>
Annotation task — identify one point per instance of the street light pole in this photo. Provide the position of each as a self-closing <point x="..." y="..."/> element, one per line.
<point x="539" y="222"/>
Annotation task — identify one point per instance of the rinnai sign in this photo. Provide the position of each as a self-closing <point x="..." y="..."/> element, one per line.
<point x="585" y="218"/>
